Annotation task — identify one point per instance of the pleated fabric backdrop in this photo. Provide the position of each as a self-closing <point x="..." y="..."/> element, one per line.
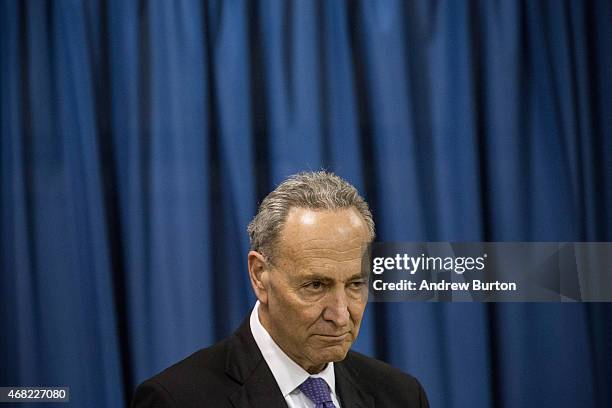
<point x="137" y="138"/>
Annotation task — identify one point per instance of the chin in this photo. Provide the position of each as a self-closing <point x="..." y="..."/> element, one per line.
<point x="334" y="354"/>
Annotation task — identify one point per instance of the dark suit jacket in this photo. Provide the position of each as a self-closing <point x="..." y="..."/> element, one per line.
<point x="233" y="373"/>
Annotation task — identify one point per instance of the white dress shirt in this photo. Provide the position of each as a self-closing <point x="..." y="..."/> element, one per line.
<point x="287" y="373"/>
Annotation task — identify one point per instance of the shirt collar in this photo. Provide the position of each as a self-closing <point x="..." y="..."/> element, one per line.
<point x="287" y="373"/>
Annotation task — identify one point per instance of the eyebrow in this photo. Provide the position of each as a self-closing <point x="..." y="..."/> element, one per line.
<point x="316" y="276"/>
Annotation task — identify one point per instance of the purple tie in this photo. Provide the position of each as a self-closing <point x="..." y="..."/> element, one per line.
<point x="318" y="391"/>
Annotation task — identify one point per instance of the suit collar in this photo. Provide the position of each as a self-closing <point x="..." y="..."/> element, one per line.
<point x="243" y="354"/>
<point x="246" y="365"/>
<point x="348" y="386"/>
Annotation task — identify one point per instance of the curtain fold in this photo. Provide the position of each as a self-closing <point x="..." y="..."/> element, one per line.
<point x="138" y="137"/>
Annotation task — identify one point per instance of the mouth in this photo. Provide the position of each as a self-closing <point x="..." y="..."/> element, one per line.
<point x="334" y="337"/>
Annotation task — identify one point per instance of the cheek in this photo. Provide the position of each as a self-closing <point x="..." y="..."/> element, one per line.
<point x="295" y="315"/>
<point x="310" y="315"/>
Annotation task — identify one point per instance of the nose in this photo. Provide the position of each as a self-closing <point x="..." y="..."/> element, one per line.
<point x="336" y="311"/>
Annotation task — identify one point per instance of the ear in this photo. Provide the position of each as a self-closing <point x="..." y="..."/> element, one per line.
<point x="258" y="274"/>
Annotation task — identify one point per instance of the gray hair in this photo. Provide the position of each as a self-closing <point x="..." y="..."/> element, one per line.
<point x="320" y="190"/>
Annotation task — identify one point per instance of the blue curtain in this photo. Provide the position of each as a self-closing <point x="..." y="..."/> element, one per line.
<point x="137" y="138"/>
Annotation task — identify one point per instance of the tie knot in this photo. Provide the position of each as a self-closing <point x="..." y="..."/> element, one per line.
<point x="318" y="391"/>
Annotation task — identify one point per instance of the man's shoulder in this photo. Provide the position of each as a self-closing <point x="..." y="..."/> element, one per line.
<point x="383" y="379"/>
<point x="198" y="377"/>
<point x="206" y="361"/>
<point x="369" y="367"/>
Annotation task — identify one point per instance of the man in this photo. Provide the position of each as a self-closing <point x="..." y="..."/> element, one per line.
<point x="307" y="243"/>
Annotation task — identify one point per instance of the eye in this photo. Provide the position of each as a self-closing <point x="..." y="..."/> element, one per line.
<point x="314" y="285"/>
<point x="357" y="284"/>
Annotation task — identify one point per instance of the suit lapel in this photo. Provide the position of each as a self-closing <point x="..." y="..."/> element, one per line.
<point x="259" y="391"/>
<point x="246" y="365"/>
<point x="347" y="386"/>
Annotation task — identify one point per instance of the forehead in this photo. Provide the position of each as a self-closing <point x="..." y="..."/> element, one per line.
<point x="323" y="237"/>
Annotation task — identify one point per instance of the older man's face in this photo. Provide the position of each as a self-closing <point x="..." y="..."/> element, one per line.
<point x="316" y="292"/>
